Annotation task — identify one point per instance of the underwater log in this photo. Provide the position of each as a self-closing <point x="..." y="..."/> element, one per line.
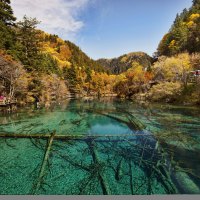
<point x="44" y="163"/>
<point x="102" y="177"/>
<point x="185" y="183"/>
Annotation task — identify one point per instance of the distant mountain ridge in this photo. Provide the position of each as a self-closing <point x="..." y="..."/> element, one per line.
<point x="125" y="62"/>
<point x="67" y="53"/>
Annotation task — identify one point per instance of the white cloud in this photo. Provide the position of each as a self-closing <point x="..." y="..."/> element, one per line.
<point x="56" y="16"/>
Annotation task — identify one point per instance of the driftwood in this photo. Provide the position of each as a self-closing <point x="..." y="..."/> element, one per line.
<point x="44" y="163"/>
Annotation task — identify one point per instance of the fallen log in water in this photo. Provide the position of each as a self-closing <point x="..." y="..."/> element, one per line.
<point x="102" y="177"/>
<point x="131" y="178"/>
<point x="167" y="182"/>
<point x="39" y="136"/>
<point x="185" y="184"/>
<point x="86" y="184"/>
<point x="133" y="123"/>
<point x="118" y="172"/>
<point x="182" y="180"/>
<point x="132" y="119"/>
<point x="64" y="136"/>
<point x="44" y="163"/>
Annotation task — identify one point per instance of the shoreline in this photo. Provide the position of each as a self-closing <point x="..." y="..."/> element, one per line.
<point x="49" y="104"/>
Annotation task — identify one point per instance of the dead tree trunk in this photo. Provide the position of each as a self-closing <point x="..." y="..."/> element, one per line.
<point x="44" y="163"/>
<point x="102" y="177"/>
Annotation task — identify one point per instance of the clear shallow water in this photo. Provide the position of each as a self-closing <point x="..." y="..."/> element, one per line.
<point x="135" y="149"/>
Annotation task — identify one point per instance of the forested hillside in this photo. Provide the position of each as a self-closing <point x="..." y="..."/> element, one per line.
<point x="66" y="53"/>
<point x="125" y="62"/>
<point x="184" y="34"/>
<point x="178" y="56"/>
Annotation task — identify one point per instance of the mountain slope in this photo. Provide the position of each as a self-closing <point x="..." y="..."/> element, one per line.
<point x="66" y="53"/>
<point x="125" y="62"/>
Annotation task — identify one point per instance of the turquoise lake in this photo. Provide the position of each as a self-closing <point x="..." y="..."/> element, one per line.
<point x="105" y="146"/>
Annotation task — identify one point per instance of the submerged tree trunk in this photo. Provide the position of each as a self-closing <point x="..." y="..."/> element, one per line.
<point x="102" y="177"/>
<point x="44" y="163"/>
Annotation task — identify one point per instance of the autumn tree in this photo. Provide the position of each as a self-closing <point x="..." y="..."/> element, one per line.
<point x="121" y="85"/>
<point x="132" y="81"/>
<point x="193" y="25"/>
<point x="195" y="60"/>
<point x="12" y="76"/>
<point x="102" y="83"/>
<point x="174" y="68"/>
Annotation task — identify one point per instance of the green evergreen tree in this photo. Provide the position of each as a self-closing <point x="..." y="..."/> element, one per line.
<point x="196" y="2"/>
<point x="7" y="19"/>
<point x="48" y="65"/>
<point x="6" y="13"/>
<point x="29" y="40"/>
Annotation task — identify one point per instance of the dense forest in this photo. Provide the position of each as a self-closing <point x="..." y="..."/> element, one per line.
<point x="184" y="35"/>
<point x="125" y="62"/>
<point x="37" y="66"/>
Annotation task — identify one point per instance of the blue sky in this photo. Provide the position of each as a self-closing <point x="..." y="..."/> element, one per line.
<point x="105" y="28"/>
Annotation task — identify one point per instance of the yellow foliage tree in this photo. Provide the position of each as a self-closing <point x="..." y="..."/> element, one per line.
<point x="174" y="68"/>
<point x="194" y="16"/>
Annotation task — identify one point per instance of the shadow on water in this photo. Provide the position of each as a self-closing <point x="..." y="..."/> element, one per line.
<point x="63" y="151"/>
